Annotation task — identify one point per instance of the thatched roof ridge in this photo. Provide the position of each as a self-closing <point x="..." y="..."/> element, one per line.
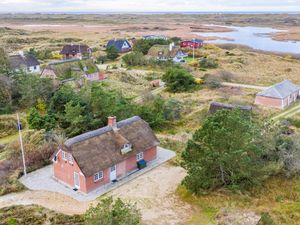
<point x="97" y="150"/>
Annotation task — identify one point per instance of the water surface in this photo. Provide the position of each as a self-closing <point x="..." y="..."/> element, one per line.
<point x="254" y="37"/>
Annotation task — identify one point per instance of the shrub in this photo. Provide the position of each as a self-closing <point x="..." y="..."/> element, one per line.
<point x="213" y="82"/>
<point x="134" y="59"/>
<point x="215" y="157"/>
<point x="225" y="75"/>
<point x="112" y="53"/>
<point x="110" y="212"/>
<point x="266" y="219"/>
<point x="178" y="79"/>
<point x="208" y="63"/>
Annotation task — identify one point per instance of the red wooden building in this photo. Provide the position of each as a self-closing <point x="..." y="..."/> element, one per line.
<point x="99" y="157"/>
<point x="191" y="44"/>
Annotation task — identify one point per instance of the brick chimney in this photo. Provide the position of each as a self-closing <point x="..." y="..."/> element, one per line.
<point x="112" y="122"/>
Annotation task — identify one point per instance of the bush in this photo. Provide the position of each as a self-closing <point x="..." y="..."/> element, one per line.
<point x="213" y="82"/>
<point x="225" y="75"/>
<point x="208" y="63"/>
<point x="143" y="46"/>
<point x="215" y="157"/>
<point x="112" y="53"/>
<point x="266" y="219"/>
<point x="178" y="79"/>
<point x="109" y="212"/>
<point x="134" y="59"/>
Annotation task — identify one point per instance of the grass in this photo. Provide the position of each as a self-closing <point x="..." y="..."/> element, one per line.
<point x="279" y="196"/>
<point x="36" y="215"/>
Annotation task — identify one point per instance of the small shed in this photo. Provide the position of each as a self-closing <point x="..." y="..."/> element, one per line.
<point x="216" y="106"/>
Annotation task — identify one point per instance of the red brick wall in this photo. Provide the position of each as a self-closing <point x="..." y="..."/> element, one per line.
<point x="91" y="184"/>
<point x="276" y="103"/>
<point x="271" y="102"/>
<point x="64" y="171"/>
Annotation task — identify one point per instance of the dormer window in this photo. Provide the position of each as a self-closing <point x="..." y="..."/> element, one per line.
<point x="126" y="148"/>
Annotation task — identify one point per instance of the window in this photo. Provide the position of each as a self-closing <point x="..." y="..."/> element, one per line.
<point x="98" y="176"/>
<point x="70" y="158"/>
<point x="64" y="155"/>
<point x="139" y="156"/>
<point x="126" y="148"/>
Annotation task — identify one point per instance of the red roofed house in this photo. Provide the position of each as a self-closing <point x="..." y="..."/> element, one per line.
<point x="191" y="44"/>
<point x="102" y="156"/>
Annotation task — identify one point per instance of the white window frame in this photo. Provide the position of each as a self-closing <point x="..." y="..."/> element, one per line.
<point x="139" y="156"/>
<point x="98" y="176"/>
<point x="64" y="156"/>
<point x="70" y="158"/>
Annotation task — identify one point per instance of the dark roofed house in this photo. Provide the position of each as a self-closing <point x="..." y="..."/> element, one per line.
<point x="102" y="156"/>
<point x="216" y="106"/>
<point x="280" y="95"/>
<point x="76" y="51"/>
<point x="121" y="45"/>
<point x="25" y="62"/>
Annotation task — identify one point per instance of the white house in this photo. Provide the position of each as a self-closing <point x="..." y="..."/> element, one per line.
<point x="24" y="62"/>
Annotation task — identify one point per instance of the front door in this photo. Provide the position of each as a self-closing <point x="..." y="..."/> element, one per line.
<point x="76" y="180"/>
<point x="113" y="173"/>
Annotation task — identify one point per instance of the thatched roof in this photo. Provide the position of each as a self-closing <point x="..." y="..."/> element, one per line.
<point x="163" y="51"/>
<point x="72" y="68"/>
<point x="215" y="106"/>
<point x="19" y="61"/>
<point x="100" y="149"/>
<point x="75" y="49"/>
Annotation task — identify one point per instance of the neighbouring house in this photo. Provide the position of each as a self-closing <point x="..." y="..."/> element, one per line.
<point x="73" y="68"/>
<point x="192" y="43"/>
<point x="155" y="37"/>
<point x="24" y="62"/>
<point x="167" y="52"/>
<point x="93" y="159"/>
<point x="121" y="45"/>
<point x="279" y="96"/>
<point x="76" y="51"/>
<point x="216" y="106"/>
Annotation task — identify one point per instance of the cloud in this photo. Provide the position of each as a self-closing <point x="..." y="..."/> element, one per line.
<point x="146" y="5"/>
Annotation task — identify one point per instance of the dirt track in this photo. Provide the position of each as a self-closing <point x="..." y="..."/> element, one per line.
<point x="154" y="193"/>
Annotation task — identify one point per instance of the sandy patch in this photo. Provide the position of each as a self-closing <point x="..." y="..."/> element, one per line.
<point x="154" y="193"/>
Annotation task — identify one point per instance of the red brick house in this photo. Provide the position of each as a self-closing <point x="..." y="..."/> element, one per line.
<point x="75" y="51"/>
<point x="102" y="156"/>
<point x="279" y="96"/>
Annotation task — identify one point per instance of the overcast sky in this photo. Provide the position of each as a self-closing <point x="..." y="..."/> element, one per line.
<point x="147" y="5"/>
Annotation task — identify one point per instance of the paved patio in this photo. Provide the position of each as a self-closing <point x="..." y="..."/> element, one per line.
<point x="42" y="179"/>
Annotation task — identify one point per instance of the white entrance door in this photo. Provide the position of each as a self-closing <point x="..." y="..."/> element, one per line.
<point x="76" y="180"/>
<point x="113" y="173"/>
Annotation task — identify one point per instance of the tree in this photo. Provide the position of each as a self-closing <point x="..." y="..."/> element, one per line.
<point x="178" y="79"/>
<point x="31" y="88"/>
<point x="143" y="46"/>
<point x="208" y="63"/>
<point x="226" y="151"/>
<point x="172" y="109"/>
<point x="78" y="118"/>
<point x="134" y="59"/>
<point x="112" y="53"/>
<point x="4" y="62"/>
<point x="6" y="92"/>
<point x="109" y="212"/>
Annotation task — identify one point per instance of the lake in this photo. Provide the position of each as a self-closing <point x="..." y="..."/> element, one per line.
<point x="254" y="37"/>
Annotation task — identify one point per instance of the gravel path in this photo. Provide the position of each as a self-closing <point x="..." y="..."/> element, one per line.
<point x="154" y="193"/>
<point x="243" y="86"/>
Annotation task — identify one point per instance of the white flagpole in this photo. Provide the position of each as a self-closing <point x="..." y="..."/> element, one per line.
<point x="21" y="143"/>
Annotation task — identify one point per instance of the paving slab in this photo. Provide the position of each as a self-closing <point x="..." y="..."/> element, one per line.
<point x="43" y="179"/>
